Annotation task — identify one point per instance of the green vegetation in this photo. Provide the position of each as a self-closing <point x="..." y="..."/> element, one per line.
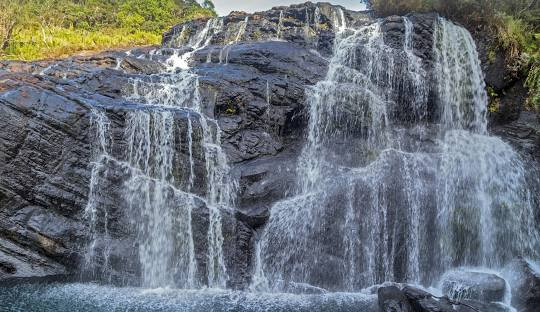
<point x="38" y="29"/>
<point x="533" y="83"/>
<point x="494" y="100"/>
<point x="514" y="23"/>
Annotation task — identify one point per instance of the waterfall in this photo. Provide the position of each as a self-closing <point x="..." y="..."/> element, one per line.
<point x="179" y="60"/>
<point x="241" y="30"/>
<point x="279" y="25"/>
<point x="224" y="52"/>
<point x="460" y="80"/>
<point x="485" y="210"/>
<point x="162" y="190"/>
<point x="339" y="21"/>
<point x="101" y="125"/>
<point x="386" y="194"/>
<point x="152" y="191"/>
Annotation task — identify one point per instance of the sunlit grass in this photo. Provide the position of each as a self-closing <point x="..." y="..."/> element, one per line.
<point x="57" y="42"/>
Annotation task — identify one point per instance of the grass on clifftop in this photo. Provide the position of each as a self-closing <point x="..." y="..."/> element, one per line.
<point x="44" y="29"/>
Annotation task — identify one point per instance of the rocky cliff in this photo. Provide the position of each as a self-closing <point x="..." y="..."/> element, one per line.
<point x="252" y="77"/>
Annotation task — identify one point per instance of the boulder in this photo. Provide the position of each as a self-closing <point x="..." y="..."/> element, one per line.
<point x="402" y="297"/>
<point x="524" y="279"/>
<point x="422" y="301"/>
<point x="392" y="299"/>
<point x="486" y="287"/>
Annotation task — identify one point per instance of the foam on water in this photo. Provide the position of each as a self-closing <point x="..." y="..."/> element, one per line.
<point x="95" y="298"/>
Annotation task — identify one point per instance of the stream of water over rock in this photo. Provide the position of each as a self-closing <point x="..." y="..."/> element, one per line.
<point x="159" y="194"/>
<point x="398" y="180"/>
<point x="383" y="193"/>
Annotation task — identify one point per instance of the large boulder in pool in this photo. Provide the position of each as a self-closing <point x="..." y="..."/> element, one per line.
<point x="460" y="284"/>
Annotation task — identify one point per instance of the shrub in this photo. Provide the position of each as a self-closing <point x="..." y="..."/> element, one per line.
<point x="514" y="35"/>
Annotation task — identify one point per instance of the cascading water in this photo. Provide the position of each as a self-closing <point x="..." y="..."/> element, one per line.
<point x="484" y="204"/>
<point x="279" y="25"/>
<point x="384" y="192"/>
<point x="179" y="60"/>
<point x="101" y="123"/>
<point x="400" y="179"/>
<point x="160" y="191"/>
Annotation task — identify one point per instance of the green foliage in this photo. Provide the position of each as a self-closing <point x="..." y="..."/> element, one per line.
<point x="448" y="8"/>
<point x="514" y="35"/>
<point x="8" y="21"/>
<point x="466" y="11"/>
<point x="230" y="111"/>
<point x="533" y="83"/>
<point x="147" y="15"/>
<point x="231" y="108"/>
<point x="400" y="7"/>
<point x="36" y="29"/>
<point x="494" y="100"/>
<point x="513" y="23"/>
<point x="61" y="42"/>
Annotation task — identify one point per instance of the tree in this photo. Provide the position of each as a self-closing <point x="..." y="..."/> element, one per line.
<point x="8" y="22"/>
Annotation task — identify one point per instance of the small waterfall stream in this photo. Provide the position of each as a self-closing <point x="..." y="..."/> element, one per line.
<point x="484" y="202"/>
<point x="160" y="191"/>
<point x="376" y="200"/>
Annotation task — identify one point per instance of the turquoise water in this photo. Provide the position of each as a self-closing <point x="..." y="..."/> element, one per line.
<point x="96" y="298"/>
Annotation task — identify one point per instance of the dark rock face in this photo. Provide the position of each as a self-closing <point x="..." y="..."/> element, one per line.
<point x="44" y="155"/>
<point x="47" y="149"/>
<point x="392" y="299"/>
<point x="258" y="98"/>
<point x="259" y="95"/>
<point x="524" y="135"/>
<point x="504" y="81"/>
<point x="525" y="283"/>
<point x="310" y="26"/>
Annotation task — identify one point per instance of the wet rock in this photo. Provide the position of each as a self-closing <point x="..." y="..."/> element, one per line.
<point x="400" y="297"/>
<point x="258" y="98"/>
<point x="264" y="181"/>
<point x="253" y="82"/>
<point x="481" y="286"/>
<point x="478" y="306"/>
<point x="392" y="299"/>
<point x="309" y="25"/>
<point x="523" y="134"/>
<point x="525" y="283"/>
<point x="18" y="261"/>
<point x="46" y="152"/>
<point x="422" y="301"/>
